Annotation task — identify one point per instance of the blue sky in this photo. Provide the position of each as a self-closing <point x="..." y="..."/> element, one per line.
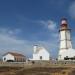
<point x="24" y="23"/>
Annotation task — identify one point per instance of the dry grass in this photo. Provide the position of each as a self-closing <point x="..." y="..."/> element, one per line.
<point x="45" y="71"/>
<point x="9" y="70"/>
<point x="37" y="70"/>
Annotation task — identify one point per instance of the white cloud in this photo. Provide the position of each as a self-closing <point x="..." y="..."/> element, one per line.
<point x="51" y="25"/>
<point x="72" y="10"/>
<point x="9" y="42"/>
<point x="12" y="43"/>
<point x="10" y="31"/>
<point x="15" y="31"/>
<point x="56" y="35"/>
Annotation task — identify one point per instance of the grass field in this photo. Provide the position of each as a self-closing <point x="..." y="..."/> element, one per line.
<point x="42" y="68"/>
<point x="37" y="71"/>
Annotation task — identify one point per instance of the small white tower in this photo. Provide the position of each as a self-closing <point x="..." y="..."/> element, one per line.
<point x="35" y="48"/>
<point x="65" y="39"/>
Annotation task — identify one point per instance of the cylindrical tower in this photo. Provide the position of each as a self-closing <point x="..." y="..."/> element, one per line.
<point x="65" y="38"/>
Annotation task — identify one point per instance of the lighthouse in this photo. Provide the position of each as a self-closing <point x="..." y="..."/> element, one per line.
<point x="65" y="37"/>
<point x="65" y="49"/>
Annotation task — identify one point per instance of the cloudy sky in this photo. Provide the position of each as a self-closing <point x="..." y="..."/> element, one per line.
<point x="24" y="23"/>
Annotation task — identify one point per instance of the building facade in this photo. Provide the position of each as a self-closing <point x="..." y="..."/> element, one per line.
<point x="40" y="53"/>
<point x="13" y="57"/>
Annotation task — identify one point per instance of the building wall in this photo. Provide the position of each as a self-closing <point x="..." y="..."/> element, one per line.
<point x="8" y="57"/>
<point x="70" y="53"/>
<point x="13" y="58"/>
<point x="65" y="45"/>
<point x="20" y="59"/>
<point x="65" y="40"/>
<point x="41" y="55"/>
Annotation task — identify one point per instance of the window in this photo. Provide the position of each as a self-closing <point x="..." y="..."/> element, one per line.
<point x="41" y="57"/>
<point x="15" y="59"/>
<point x="66" y="56"/>
<point x="4" y="58"/>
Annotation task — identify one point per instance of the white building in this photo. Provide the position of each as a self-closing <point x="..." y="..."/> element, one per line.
<point x="40" y="53"/>
<point x="13" y="57"/>
<point x="66" y="51"/>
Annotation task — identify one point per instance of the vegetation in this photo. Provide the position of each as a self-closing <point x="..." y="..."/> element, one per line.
<point x="37" y="71"/>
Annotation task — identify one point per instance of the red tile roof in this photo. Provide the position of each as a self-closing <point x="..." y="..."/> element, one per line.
<point x="14" y="54"/>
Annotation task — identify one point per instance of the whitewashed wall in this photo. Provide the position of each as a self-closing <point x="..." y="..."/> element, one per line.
<point x="70" y="53"/>
<point x="44" y="53"/>
<point x="8" y="57"/>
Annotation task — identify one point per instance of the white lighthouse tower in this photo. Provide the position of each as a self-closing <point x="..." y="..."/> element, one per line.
<point x="65" y="39"/>
<point x="65" y="49"/>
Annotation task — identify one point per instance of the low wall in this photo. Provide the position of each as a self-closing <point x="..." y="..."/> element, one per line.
<point x="39" y="64"/>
